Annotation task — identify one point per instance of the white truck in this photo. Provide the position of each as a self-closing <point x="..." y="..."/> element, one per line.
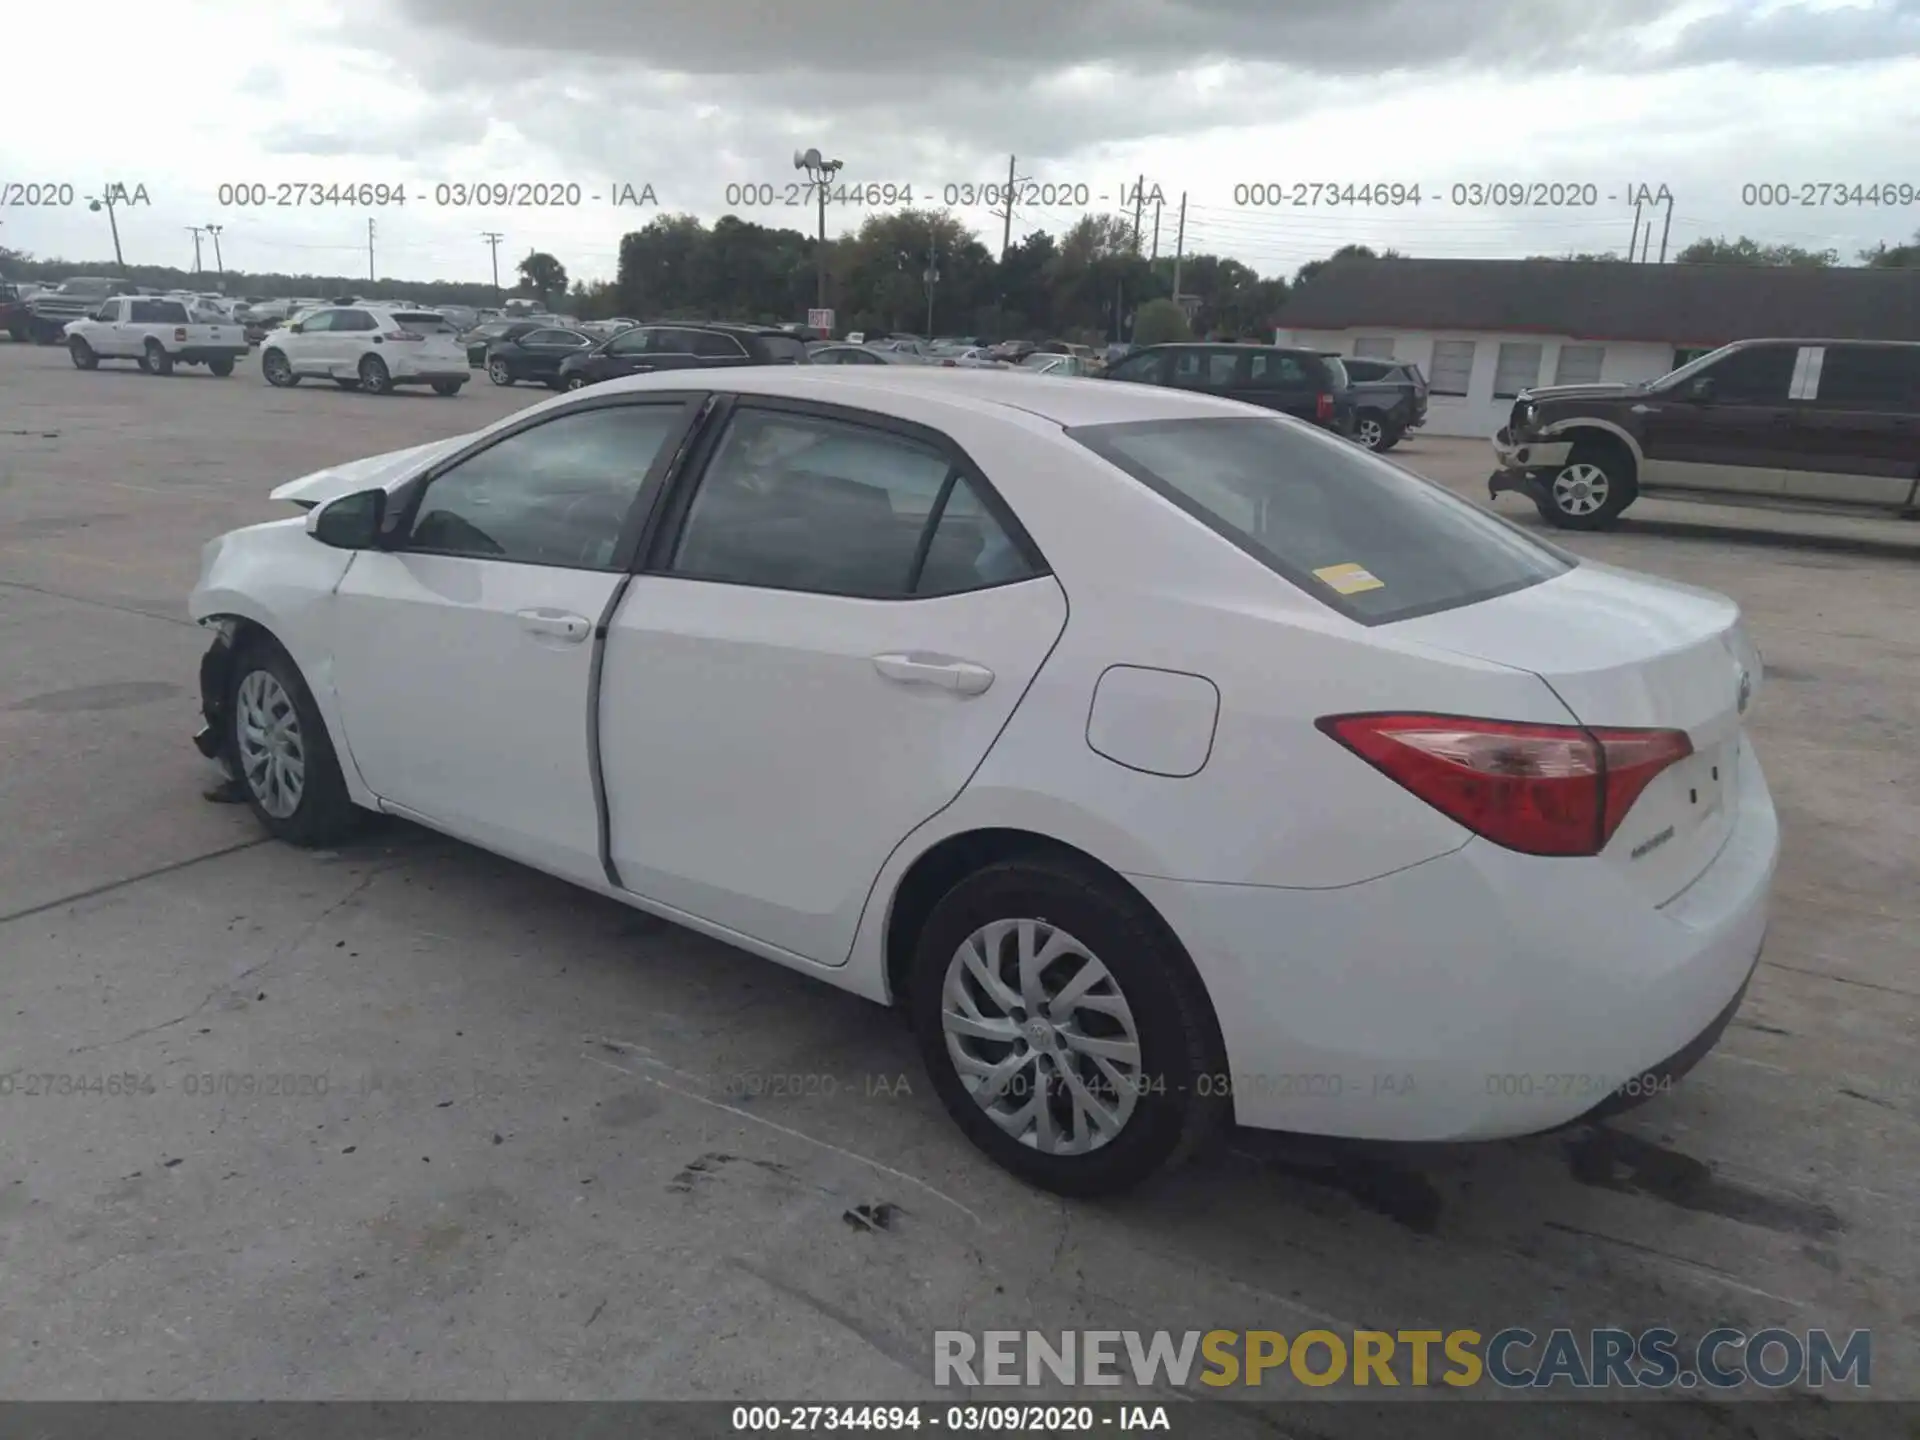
<point x="156" y="334"/>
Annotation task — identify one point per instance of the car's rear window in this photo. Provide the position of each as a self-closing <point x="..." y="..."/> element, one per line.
<point x="1371" y="540"/>
<point x="424" y="322"/>
<point x="784" y="349"/>
<point x="159" y="312"/>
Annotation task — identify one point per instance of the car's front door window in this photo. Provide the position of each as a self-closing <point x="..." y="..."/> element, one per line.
<point x="558" y="493"/>
<point x="1759" y="375"/>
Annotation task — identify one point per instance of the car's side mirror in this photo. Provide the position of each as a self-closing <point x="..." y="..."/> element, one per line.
<point x="1701" y="390"/>
<point x="349" y="522"/>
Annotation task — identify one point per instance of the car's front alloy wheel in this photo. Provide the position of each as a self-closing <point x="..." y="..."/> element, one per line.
<point x="277" y="745"/>
<point x="1370" y="430"/>
<point x="277" y="371"/>
<point x="498" y="372"/>
<point x="577" y="382"/>
<point x="1064" y="1030"/>
<point x="1590" y="490"/>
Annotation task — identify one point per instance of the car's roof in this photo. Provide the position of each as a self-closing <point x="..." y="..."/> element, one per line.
<point x="1065" y="402"/>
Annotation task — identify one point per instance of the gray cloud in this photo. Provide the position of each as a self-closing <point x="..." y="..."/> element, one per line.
<point x="1799" y="35"/>
<point x="441" y="125"/>
<point x="1005" y="39"/>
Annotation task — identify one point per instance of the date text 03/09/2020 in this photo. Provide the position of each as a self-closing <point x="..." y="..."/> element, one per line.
<point x="443" y="194"/>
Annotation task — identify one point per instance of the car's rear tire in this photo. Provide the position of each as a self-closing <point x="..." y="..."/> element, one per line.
<point x="577" y="382"/>
<point x="1370" y="430"/>
<point x="154" y="359"/>
<point x="1591" y="489"/>
<point x="277" y="370"/>
<point x="1393" y="437"/>
<point x="1119" y="1122"/>
<point x="375" y="378"/>
<point x="82" y="353"/>
<point x="280" y="751"/>
<point x="447" y="387"/>
<point x="499" y="372"/>
<point x="222" y="368"/>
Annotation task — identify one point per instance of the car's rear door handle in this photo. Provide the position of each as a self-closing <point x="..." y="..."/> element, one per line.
<point x="557" y="624"/>
<point x="943" y="672"/>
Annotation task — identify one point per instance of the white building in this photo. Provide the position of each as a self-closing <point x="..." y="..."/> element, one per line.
<point x="1483" y="330"/>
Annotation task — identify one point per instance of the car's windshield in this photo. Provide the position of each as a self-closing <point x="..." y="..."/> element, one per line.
<point x="1358" y="533"/>
<point x="1687" y="371"/>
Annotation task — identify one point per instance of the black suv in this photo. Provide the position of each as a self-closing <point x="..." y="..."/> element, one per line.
<point x="1389" y="399"/>
<point x="1832" y="424"/>
<point x="1302" y="383"/>
<point x="647" y="348"/>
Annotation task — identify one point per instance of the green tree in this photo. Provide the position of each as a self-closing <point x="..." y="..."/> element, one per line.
<point x="1346" y="252"/>
<point x="1160" y="322"/>
<point x="1745" y="251"/>
<point x="544" y="275"/>
<point x="1893" y="257"/>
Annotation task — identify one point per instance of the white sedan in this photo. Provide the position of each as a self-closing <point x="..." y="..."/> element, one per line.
<point x="1167" y="760"/>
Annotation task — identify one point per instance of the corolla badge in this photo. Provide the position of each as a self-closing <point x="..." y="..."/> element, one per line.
<point x="1745" y="693"/>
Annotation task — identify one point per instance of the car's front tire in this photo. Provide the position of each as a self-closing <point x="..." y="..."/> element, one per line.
<point x="1590" y="490"/>
<point x="1371" y="429"/>
<point x="1063" y="1028"/>
<point x="281" y="752"/>
<point x="577" y="382"/>
<point x="499" y="372"/>
<point x="83" y="354"/>
<point x="278" y="370"/>
<point x="375" y="378"/>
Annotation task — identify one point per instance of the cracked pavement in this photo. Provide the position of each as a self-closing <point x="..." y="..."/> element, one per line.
<point x="410" y="1121"/>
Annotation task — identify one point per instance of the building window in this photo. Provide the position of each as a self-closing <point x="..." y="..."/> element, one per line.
<point x="1579" y="364"/>
<point x="1373" y="347"/>
<point x="1687" y="354"/>
<point x="1517" y="368"/>
<point x="1452" y="367"/>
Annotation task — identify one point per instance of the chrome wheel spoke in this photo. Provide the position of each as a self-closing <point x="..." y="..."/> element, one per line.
<point x="1124" y="1052"/>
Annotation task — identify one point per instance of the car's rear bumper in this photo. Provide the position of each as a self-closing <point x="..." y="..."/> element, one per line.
<point x="422" y="372"/>
<point x="1476" y="995"/>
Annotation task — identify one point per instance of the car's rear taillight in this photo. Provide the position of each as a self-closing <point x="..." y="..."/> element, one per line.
<point x="1323" y="408"/>
<point x="402" y="335"/>
<point x="1537" y="789"/>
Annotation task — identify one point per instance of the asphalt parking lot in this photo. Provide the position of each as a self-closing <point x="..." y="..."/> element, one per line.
<point x="524" y="1153"/>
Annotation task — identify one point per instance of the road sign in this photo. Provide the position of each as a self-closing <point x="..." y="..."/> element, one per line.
<point x="820" y="320"/>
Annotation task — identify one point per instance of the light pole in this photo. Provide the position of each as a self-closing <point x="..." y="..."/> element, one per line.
<point x="219" y="265"/>
<point x="820" y="172"/>
<point x="104" y="201"/>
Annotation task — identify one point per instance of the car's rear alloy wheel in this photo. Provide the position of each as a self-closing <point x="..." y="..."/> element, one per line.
<point x="155" y="360"/>
<point x="278" y="746"/>
<point x="1370" y="431"/>
<point x="83" y="356"/>
<point x="577" y="382"/>
<point x="374" y="377"/>
<point x="498" y="372"/>
<point x="1064" y="1030"/>
<point x="278" y="372"/>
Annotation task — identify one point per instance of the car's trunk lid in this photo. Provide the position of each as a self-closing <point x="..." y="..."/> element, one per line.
<point x="1628" y="651"/>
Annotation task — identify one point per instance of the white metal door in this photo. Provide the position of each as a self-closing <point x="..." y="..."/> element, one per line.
<point x="765" y="750"/>
<point x="463" y="688"/>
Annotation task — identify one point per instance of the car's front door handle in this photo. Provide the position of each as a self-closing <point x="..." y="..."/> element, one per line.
<point x="943" y="672"/>
<point x="556" y="624"/>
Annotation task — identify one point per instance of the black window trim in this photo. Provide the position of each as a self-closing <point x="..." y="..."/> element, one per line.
<point x="1304" y="580"/>
<point x="668" y="519"/>
<point x="694" y="405"/>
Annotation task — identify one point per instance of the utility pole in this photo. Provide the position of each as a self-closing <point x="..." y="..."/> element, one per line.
<point x="1633" y="244"/>
<point x="219" y="265"/>
<point x="1666" y="227"/>
<point x="933" y="276"/>
<point x="370" y="250"/>
<point x="1179" y="247"/>
<point x="493" y="239"/>
<point x="1139" y="198"/>
<point x="1155" y="256"/>
<point x="1005" y="211"/>
<point x="197" y="231"/>
<point x="104" y="201"/>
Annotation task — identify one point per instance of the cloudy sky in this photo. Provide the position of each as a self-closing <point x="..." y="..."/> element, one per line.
<point x="1704" y="97"/>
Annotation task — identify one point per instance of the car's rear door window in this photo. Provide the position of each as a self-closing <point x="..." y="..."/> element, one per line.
<point x="1367" y="538"/>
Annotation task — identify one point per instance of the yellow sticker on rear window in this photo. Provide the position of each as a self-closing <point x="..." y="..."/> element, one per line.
<point x="1350" y="579"/>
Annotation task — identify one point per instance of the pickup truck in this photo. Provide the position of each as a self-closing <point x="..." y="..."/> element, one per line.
<point x="155" y="334"/>
<point x="1389" y="399"/>
<point x="50" y="312"/>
